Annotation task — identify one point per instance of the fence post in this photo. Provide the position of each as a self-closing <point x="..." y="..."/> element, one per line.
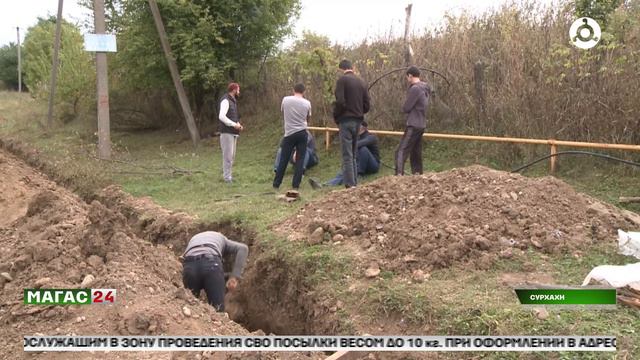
<point x="554" y="151"/>
<point x="327" y="138"/>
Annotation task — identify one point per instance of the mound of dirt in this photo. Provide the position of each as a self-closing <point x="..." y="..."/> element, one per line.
<point x="469" y="216"/>
<point x="58" y="241"/>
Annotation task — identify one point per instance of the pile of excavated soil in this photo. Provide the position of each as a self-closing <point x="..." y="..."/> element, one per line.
<point x="50" y="238"/>
<point x="468" y="216"/>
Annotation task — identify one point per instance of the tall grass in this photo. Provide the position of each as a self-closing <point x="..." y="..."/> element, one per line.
<point x="513" y="72"/>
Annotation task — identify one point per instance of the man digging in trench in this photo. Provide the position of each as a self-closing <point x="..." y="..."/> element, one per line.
<point x="202" y="266"/>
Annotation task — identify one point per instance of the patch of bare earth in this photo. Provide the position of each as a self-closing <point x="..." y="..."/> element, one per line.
<point x="50" y="238"/>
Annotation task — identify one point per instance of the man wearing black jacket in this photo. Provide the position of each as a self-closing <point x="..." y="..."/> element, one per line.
<point x="352" y="102"/>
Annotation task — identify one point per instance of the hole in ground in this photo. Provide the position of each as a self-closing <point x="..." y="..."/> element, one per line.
<point x="272" y="296"/>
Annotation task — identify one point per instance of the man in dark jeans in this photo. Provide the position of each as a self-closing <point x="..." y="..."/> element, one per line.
<point x="352" y="102"/>
<point x="202" y="267"/>
<point x="368" y="155"/>
<point x="310" y="160"/>
<point x="296" y="111"/>
<point x="415" y="106"/>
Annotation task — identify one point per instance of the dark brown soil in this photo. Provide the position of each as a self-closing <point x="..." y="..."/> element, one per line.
<point x="469" y="216"/>
<point x="55" y="240"/>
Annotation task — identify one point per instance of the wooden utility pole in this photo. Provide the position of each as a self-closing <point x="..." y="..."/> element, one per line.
<point x="173" y="68"/>
<point x="102" y="80"/>
<point x="408" y="52"/>
<point x="19" y="62"/>
<point x="54" y="65"/>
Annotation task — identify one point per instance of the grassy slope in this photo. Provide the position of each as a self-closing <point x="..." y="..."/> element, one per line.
<point x="454" y="301"/>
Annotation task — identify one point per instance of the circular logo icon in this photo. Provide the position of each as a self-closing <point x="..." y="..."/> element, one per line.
<point x="585" y="33"/>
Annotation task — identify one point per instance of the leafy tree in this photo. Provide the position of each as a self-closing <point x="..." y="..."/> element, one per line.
<point x="211" y="40"/>
<point x="598" y="10"/>
<point x="313" y="61"/>
<point x="9" y="65"/>
<point x="76" y="72"/>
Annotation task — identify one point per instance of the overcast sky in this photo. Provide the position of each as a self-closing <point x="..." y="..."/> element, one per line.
<point x="343" y="21"/>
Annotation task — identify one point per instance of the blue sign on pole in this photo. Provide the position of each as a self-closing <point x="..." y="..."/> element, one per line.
<point x="100" y="42"/>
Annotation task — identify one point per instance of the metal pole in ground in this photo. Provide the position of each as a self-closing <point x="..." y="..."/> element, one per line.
<point x="19" y="62"/>
<point x="408" y="52"/>
<point x="104" y="132"/>
<point x="553" y="159"/>
<point x="54" y="65"/>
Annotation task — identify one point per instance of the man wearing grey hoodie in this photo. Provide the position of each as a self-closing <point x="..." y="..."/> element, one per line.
<point x="202" y="266"/>
<point x="415" y="106"/>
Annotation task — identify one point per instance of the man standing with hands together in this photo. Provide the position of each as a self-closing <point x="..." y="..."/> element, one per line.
<point x="415" y="106"/>
<point x="229" y="128"/>
<point x="352" y="102"/>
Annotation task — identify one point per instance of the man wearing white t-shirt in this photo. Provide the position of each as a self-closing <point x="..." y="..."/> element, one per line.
<point x="296" y="111"/>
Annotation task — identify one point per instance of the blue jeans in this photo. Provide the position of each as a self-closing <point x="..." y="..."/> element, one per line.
<point x="349" y="145"/>
<point x="367" y="164"/>
<point x="205" y="272"/>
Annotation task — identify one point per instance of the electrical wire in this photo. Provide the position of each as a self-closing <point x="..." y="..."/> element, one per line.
<point x="574" y="152"/>
<point x="404" y="69"/>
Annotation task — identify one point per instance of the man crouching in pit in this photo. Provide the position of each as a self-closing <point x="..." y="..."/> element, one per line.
<point x="202" y="267"/>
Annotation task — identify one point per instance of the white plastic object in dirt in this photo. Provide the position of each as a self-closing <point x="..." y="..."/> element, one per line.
<point x="629" y="243"/>
<point x="616" y="276"/>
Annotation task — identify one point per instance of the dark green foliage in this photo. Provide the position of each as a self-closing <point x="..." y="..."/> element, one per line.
<point x="9" y="66"/>
<point x="598" y="10"/>
<point x="211" y="40"/>
<point x="76" y="72"/>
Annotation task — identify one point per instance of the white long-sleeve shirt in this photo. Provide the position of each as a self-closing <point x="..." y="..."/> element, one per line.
<point x="224" y="108"/>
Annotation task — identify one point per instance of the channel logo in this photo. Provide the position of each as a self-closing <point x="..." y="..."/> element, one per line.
<point x="69" y="296"/>
<point x="585" y="33"/>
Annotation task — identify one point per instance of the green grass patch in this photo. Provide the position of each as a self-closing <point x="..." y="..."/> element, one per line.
<point x="396" y="299"/>
<point x="452" y="301"/>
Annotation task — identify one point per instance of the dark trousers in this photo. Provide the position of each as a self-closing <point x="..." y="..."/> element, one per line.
<point x="410" y="147"/>
<point x="367" y="163"/>
<point x="299" y="142"/>
<point x="206" y="273"/>
<point x="310" y="159"/>
<point x="349" y="128"/>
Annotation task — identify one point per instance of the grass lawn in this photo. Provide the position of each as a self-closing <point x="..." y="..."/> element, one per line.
<point x="453" y="301"/>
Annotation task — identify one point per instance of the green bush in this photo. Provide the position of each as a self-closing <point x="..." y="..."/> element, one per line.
<point x="76" y="73"/>
<point x="9" y="66"/>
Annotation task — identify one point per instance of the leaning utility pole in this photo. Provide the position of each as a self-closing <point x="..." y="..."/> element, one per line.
<point x="173" y="68"/>
<point x="408" y="52"/>
<point x="19" y="63"/>
<point x="102" y="80"/>
<point x="54" y="65"/>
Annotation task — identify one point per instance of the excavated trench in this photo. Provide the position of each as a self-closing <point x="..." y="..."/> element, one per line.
<point x="272" y="296"/>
